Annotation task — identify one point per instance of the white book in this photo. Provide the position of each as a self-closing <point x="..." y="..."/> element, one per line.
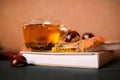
<point x="79" y="59"/>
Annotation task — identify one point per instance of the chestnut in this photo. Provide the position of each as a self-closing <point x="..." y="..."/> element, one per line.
<point x="18" y="61"/>
<point x="87" y="35"/>
<point x="72" y="36"/>
<point x="9" y="54"/>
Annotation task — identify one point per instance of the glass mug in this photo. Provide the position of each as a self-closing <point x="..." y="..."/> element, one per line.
<point x="42" y="35"/>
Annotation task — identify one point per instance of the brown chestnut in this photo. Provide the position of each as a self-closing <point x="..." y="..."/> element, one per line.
<point x="9" y="54"/>
<point x="18" y="61"/>
<point x="87" y="35"/>
<point x="72" y="36"/>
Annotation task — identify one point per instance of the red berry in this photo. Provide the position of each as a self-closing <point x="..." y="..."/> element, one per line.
<point x="87" y="35"/>
<point x="18" y="61"/>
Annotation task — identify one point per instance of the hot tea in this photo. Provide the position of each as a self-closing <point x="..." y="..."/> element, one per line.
<point x="39" y="37"/>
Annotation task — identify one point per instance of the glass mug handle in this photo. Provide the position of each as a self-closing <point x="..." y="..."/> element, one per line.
<point x="62" y="36"/>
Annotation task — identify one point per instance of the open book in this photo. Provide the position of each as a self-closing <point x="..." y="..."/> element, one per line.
<point x="107" y="46"/>
<point x="79" y="59"/>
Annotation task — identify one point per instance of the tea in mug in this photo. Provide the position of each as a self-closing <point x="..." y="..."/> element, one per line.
<point x="41" y="37"/>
